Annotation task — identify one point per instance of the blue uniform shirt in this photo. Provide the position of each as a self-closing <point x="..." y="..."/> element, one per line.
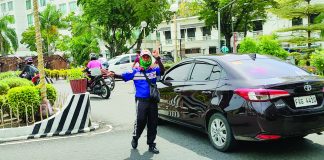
<point x="141" y="85"/>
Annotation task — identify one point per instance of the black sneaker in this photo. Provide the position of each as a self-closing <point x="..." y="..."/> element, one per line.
<point x="154" y="150"/>
<point x="134" y="143"/>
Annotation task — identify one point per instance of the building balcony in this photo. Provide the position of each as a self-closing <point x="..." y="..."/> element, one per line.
<point x="206" y="37"/>
<point x="168" y="41"/>
<point x="190" y="39"/>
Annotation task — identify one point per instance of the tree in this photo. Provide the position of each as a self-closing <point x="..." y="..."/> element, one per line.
<point x="190" y="8"/>
<point x="119" y="19"/>
<point x="267" y="44"/>
<point x="8" y="36"/>
<point x="81" y="46"/>
<point x="243" y="11"/>
<point x="51" y="21"/>
<point x="294" y="9"/>
<point x="84" y="40"/>
<point x="29" y="38"/>
<point x="40" y="53"/>
<point x="317" y="60"/>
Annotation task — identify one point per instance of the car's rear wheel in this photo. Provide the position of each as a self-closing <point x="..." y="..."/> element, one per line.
<point x="220" y="133"/>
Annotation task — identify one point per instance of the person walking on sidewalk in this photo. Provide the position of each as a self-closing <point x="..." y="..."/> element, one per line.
<point x="146" y="108"/>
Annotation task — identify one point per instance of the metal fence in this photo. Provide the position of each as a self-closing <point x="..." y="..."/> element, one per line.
<point x="25" y="115"/>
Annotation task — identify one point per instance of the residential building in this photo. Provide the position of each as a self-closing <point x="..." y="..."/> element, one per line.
<point x="194" y="38"/>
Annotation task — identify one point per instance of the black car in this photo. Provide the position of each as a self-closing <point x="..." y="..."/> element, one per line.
<point x="242" y="97"/>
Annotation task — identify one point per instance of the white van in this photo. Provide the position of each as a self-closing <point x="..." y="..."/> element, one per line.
<point x="122" y="63"/>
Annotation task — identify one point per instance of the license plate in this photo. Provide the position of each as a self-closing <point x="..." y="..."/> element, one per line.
<point x="305" y="101"/>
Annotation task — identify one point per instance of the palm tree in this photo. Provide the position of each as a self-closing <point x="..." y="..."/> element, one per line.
<point x="8" y="36"/>
<point x="39" y="52"/>
<point x="51" y="21"/>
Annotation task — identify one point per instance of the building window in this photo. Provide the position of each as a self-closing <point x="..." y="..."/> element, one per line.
<point x="257" y="25"/>
<point x="183" y="33"/>
<point x="191" y="32"/>
<point x="30" y="20"/>
<point x="62" y="8"/>
<point x="73" y="6"/>
<point x="157" y="34"/>
<point x="312" y="18"/>
<point x="212" y="50"/>
<point x="192" y="51"/>
<point x="3" y="7"/>
<point x="167" y="35"/>
<point x="42" y="3"/>
<point x="28" y="4"/>
<point x="10" y="6"/>
<point x="297" y="21"/>
<point x="206" y="31"/>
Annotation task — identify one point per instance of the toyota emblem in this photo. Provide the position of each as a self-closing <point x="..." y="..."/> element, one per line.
<point x="308" y="87"/>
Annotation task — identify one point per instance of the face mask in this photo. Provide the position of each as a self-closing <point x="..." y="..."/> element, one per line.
<point x="145" y="64"/>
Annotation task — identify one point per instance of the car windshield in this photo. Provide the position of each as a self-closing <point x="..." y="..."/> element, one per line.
<point x="114" y="59"/>
<point x="266" y="68"/>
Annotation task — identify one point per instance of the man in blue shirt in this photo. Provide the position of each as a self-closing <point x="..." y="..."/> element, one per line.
<point x="146" y="108"/>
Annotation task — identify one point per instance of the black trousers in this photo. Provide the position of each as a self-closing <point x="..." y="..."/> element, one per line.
<point x="146" y="114"/>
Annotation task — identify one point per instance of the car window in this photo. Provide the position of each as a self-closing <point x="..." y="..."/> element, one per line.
<point x="179" y="73"/>
<point x="201" y="72"/>
<point x="124" y="60"/>
<point x="266" y="68"/>
<point x="217" y="73"/>
<point x="133" y="57"/>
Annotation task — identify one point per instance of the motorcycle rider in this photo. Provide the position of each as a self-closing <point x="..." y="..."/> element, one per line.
<point x="94" y="63"/>
<point x="29" y="70"/>
<point x="146" y="109"/>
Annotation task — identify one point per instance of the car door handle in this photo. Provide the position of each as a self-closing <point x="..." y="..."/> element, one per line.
<point x="177" y="90"/>
<point x="206" y="92"/>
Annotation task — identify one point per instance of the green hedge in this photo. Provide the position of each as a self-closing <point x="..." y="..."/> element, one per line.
<point x="17" y="82"/>
<point x="50" y="91"/>
<point x="4" y="87"/>
<point x="9" y="74"/>
<point x="21" y="97"/>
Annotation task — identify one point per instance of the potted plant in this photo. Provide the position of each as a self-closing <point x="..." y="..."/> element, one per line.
<point x="77" y="80"/>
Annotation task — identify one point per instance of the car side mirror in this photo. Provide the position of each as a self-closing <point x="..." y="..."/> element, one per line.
<point x="117" y="63"/>
<point x="166" y="81"/>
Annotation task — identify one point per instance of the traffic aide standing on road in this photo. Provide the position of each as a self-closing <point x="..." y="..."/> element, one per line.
<point x="146" y="107"/>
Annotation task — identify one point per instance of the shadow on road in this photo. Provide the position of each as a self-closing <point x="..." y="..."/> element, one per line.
<point x="97" y="98"/>
<point x="199" y="143"/>
<point x="135" y="155"/>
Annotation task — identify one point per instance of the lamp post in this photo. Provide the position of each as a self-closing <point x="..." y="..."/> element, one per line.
<point x="144" y="25"/>
<point x="174" y="8"/>
<point x="219" y="20"/>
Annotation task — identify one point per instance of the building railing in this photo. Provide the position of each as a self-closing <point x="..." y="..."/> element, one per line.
<point x="206" y="37"/>
<point x="189" y="39"/>
<point x="168" y="41"/>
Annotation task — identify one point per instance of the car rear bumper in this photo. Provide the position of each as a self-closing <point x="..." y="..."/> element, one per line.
<point x="287" y="126"/>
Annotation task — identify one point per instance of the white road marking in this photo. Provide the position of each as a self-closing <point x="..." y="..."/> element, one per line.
<point x="54" y="138"/>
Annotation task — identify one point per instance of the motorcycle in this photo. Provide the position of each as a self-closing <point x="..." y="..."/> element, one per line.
<point x="97" y="85"/>
<point x="110" y="81"/>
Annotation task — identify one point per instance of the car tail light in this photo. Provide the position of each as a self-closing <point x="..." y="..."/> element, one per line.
<point x="267" y="137"/>
<point x="260" y="95"/>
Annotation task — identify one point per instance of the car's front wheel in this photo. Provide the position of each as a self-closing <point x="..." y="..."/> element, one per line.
<point x="220" y="133"/>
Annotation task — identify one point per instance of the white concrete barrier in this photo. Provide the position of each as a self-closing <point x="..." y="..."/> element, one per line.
<point x="73" y="118"/>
